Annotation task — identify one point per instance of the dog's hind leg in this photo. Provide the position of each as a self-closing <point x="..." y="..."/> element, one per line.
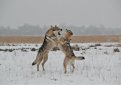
<point x="73" y="67"/>
<point x="45" y="58"/>
<point x="38" y="63"/>
<point x="66" y="60"/>
<point x="72" y="62"/>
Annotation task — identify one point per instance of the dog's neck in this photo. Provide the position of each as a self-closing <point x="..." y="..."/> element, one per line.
<point x="67" y="37"/>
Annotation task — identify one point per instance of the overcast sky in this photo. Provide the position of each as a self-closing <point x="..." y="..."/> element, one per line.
<point x="15" y="13"/>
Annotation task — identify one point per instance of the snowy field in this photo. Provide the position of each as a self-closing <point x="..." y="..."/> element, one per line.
<point x="102" y="65"/>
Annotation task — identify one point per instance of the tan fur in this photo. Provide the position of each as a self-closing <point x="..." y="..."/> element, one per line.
<point x="64" y="45"/>
<point x="51" y="36"/>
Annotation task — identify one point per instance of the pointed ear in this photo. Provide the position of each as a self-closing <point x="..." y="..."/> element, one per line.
<point x="51" y="26"/>
<point x="55" y="25"/>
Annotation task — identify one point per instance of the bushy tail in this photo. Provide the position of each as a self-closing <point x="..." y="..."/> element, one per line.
<point x="35" y="61"/>
<point x="79" y="58"/>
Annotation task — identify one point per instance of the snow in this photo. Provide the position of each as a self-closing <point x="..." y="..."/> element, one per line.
<point x="102" y="66"/>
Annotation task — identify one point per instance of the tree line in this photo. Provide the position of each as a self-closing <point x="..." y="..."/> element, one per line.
<point x="36" y="30"/>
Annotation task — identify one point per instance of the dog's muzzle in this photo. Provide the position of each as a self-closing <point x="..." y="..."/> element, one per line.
<point x="59" y="32"/>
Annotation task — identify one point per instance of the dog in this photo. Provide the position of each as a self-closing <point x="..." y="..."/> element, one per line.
<point x="64" y="45"/>
<point x="51" y="36"/>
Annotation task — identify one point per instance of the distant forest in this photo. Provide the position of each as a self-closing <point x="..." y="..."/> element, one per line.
<point x="36" y="30"/>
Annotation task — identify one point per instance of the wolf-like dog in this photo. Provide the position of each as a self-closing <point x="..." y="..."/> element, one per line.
<point x="51" y="36"/>
<point x="64" y="45"/>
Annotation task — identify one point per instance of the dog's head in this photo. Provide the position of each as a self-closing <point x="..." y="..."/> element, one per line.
<point x="68" y="34"/>
<point x="67" y="37"/>
<point x="54" y="31"/>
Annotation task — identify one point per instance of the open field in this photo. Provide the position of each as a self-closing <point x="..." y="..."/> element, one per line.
<point x="76" y="39"/>
<point x="102" y="65"/>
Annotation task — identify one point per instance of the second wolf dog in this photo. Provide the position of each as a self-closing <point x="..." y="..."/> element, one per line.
<point x="64" y="45"/>
<point x="51" y="36"/>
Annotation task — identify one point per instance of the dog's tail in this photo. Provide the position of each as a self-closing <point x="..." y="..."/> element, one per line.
<point x="35" y="61"/>
<point x="79" y="58"/>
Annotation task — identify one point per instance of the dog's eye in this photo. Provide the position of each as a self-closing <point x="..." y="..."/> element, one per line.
<point x="53" y="29"/>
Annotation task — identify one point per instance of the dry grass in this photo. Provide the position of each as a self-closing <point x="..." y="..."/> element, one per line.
<point x="97" y="38"/>
<point x="75" y="39"/>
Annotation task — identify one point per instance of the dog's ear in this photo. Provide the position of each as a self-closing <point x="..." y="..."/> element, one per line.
<point x="55" y="25"/>
<point x="51" y="26"/>
<point x="66" y="30"/>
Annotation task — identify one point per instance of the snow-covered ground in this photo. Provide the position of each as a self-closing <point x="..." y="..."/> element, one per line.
<point x="102" y="66"/>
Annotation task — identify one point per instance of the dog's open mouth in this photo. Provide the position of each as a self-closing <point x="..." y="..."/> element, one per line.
<point x="59" y="33"/>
